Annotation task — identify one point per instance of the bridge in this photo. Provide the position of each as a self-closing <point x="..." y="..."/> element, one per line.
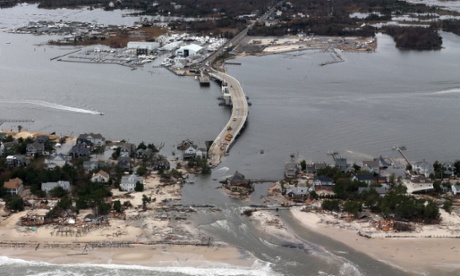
<point x="240" y="112"/>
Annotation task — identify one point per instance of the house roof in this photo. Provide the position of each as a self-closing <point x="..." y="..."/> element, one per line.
<point x="371" y="164"/>
<point x="90" y="135"/>
<point x="13" y="183"/>
<point x="102" y="173"/>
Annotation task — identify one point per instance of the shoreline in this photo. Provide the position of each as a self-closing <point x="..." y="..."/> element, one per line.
<point x="411" y="254"/>
<point x="223" y="256"/>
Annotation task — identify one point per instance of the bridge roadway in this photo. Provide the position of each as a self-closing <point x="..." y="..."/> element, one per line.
<point x="240" y="111"/>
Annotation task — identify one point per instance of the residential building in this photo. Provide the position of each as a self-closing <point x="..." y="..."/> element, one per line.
<point x="297" y="191"/>
<point x="101" y="176"/>
<point x="341" y="163"/>
<point x="124" y="162"/>
<point x="14" y="186"/>
<point x="290" y="170"/>
<point x="79" y="151"/>
<point x="190" y="152"/>
<point x="127" y="149"/>
<point x="381" y="189"/>
<point x="35" y="148"/>
<point x="237" y="179"/>
<point x="418" y="183"/>
<point x="91" y="139"/>
<point x="422" y="168"/>
<point x="201" y="153"/>
<point x="93" y="165"/>
<point x="16" y="160"/>
<point x="314" y="167"/>
<point x="369" y="179"/>
<point x="128" y="182"/>
<point x="56" y="160"/>
<point x="48" y="186"/>
<point x="371" y="166"/>
<point x="323" y="183"/>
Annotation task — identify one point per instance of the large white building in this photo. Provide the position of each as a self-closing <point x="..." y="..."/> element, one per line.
<point x="189" y="50"/>
<point x="144" y="48"/>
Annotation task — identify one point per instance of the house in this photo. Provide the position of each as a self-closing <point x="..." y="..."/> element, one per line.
<point x="237" y="179"/>
<point x="124" y="162"/>
<point x="341" y="163"/>
<point x="14" y="186"/>
<point x="35" y="148"/>
<point x="184" y="144"/>
<point x="16" y="160"/>
<point x="323" y="183"/>
<point x="128" y="182"/>
<point x="79" y="151"/>
<point x="314" y="167"/>
<point x="418" y="183"/>
<point x="93" y="165"/>
<point x="48" y="186"/>
<point x="92" y="139"/>
<point x="371" y="166"/>
<point x="448" y="169"/>
<point x="101" y="176"/>
<point x="127" y="149"/>
<point x="190" y="152"/>
<point x="43" y="139"/>
<point x="161" y="164"/>
<point x="297" y="191"/>
<point x="290" y="170"/>
<point x="369" y="179"/>
<point x="455" y="188"/>
<point x="201" y="153"/>
<point x="56" y="160"/>
<point x="381" y="189"/>
<point x="144" y="153"/>
<point x="10" y="147"/>
<point x="422" y="168"/>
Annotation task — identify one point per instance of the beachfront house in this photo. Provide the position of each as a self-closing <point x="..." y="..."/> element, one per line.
<point x="341" y="163"/>
<point x="422" y="168"/>
<point x="128" y="182"/>
<point x="127" y="149"/>
<point x="291" y="169"/>
<point x="299" y="191"/>
<point x="91" y="139"/>
<point x="185" y="144"/>
<point x="101" y="177"/>
<point x="323" y="183"/>
<point x="314" y="167"/>
<point x="371" y="166"/>
<point x="418" y="183"/>
<point x="381" y="189"/>
<point x="190" y="152"/>
<point x="48" y="186"/>
<point x="237" y="179"/>
<point x="43" y="139"/>
<point x="124" y="162"/>
<point x="13" y="186"/>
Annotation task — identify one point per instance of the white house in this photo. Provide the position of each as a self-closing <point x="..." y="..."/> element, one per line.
<point x="455" y="188"/>
<point x="190" y="152"/>
<point x="371" y="166"/>
<point x="128" y="182"/>
<point x="418" y="184"/>
<point x="101" y="176"/>
<point x="48" y="186"/>
<point x="56" y="160"/>
<point x="422" y="168"/>
<point x="189" y="50"/>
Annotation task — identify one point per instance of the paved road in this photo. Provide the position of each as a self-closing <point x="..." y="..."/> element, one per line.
<point x="240" y="112"/>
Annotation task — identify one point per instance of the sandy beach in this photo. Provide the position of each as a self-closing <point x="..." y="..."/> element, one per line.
<point x="414" y="253"/>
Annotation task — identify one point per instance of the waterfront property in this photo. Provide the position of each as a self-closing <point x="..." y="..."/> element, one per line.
<point x="13" y="186"/>
<point x="419" y="183"/>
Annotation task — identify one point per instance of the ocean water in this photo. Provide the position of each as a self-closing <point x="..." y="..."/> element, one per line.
<point x="11" y="266"/>
<point x="360" y="108"/>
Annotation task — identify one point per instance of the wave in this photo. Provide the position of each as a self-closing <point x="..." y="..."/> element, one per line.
<point x="449" y="91"/>
<point x="36" y="268"/>
<point x="52" y="105"/>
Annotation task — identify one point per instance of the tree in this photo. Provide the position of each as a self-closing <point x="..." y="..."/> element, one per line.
<point x="145" y="200"/>
<point x="141" y="171"/>
<point x="331" y="205"/>
<point x="353" y="207"/>
<point x="117" y="206"/>
<point x="19" y="128"/>
<point x="139" y="187"/>
<point x="58" y="192"/>
<point x="447" y="206"/>
<point x="15" y="202"/>
<point x="303" y="165"/>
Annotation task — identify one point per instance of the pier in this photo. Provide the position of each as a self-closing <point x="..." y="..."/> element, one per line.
<point x="240" y="112"/>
